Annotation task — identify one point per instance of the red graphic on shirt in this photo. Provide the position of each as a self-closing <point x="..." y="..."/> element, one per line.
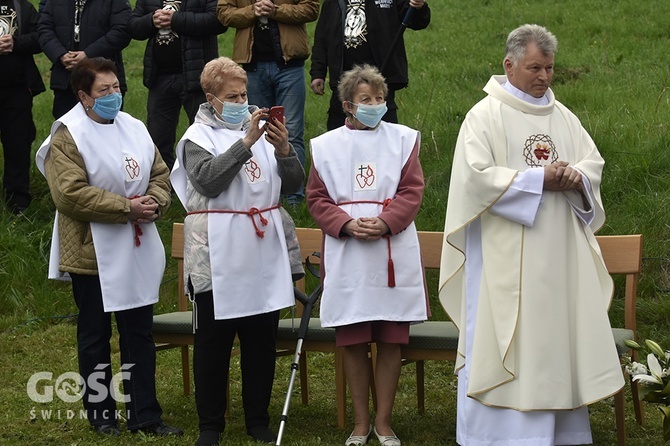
<point x="132" y="167"/>
<point x="365" y="177"/>
<point x="541" y="151"/>
<point x="253" y="170"/>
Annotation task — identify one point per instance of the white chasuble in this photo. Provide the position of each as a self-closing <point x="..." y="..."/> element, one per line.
<point x="251" y="273"/>
<point x="535" y="335"/>
<point x="361" y="170"/>
<point x="118" y="158"/>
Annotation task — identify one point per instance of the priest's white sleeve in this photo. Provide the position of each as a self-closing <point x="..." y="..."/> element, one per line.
<point x="582" y="202"/>
<point x="522" y="199"/>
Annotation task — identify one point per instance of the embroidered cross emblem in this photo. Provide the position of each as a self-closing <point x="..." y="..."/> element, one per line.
<point x="366" y="176"/>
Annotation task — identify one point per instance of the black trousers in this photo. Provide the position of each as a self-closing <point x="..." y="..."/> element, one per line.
<point x="17" y="133"/>
<point x="211" y="361"/>
<point x="138" y="357"/>
<point x="64" y="100"/>
<point x="166" y="98"/>
<point x="336" y="115"/>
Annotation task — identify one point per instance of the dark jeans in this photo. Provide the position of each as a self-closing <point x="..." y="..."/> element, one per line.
<point x="269" y="85"/>
<point x="211" y="361"/>
<point x="336" y="115"/>
<point x="94" y="330"/>
<point x="166" y="98"/>
<point x="17" y="133"/>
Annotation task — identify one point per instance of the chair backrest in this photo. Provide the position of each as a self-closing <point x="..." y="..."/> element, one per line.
<point x="310" y="242"/>
<point x="178" y="254"/>
<point x="623" y="255"/>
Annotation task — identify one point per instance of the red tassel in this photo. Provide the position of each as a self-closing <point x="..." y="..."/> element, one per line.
<point x="391" y="269"/>
<point x="138" y="233"/>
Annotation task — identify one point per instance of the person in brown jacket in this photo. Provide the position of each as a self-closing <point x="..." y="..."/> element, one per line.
<point x="271" y="44"/>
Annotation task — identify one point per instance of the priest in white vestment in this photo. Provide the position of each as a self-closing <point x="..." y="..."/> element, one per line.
<point x="522" y="275"/>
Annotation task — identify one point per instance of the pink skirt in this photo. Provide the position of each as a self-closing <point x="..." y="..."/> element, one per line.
<point x="373" y="331"/>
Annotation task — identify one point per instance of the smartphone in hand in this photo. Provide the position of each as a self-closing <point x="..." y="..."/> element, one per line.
<point x="276" y="112"/>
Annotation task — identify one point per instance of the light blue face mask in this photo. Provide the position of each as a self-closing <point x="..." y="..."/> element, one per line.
<point x="370" y="115"/>
<point x="232" y="112"/>
<point x="108" y="106"/>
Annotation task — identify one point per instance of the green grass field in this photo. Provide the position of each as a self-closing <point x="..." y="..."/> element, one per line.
<point x="612" y="70"/>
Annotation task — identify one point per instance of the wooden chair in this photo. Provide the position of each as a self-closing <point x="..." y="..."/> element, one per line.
<point x="623" y="255"/>
<point x="439" y="339"/>
<point x="318" y="339"/>
<point x="175" y="329"/>
<point x="432" y="340"/>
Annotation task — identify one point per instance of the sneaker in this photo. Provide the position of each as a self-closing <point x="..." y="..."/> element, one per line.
<point x="160" y="429"/>
<point x="262" y="434"/>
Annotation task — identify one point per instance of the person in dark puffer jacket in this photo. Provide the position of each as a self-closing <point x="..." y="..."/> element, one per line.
<point x="102" y="27"/>
<point x="181" y="40"/>
<point x="20" y="80"/>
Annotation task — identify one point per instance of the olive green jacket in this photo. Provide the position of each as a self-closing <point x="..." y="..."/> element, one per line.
<point x="78" y="203"/>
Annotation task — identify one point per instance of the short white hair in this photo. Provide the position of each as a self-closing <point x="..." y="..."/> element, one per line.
<point x="518" y="40"/>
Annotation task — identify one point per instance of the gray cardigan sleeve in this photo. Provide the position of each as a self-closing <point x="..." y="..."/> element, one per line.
<point x="290" y="171"/>
<point x="211" y="175"/>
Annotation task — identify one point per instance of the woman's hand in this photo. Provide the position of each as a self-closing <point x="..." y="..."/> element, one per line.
<point x="255" y="132"/>
<point x="366" y="228"/>
<point x="276" y="134"/>
<point x="143" y="209"/>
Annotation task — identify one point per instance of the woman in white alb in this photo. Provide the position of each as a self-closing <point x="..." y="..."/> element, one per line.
<point x="230" y="171"/>
<point x="109" y="185"/>
<point x="364" y="190"/>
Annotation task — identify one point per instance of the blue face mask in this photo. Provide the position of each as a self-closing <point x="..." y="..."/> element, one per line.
<point x="232" y="112"/>
<point x="108" y="106"/>
<point x="370" y="115"/>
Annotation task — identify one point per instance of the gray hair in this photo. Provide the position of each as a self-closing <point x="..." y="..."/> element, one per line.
<point x="518" y="40"/>
<point x="366" y="74"/>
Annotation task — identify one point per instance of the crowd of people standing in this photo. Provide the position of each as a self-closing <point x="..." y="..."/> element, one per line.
<point x="237" y="162"/>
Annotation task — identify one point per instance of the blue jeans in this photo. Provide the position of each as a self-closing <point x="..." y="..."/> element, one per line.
<point x="268" y="85"/>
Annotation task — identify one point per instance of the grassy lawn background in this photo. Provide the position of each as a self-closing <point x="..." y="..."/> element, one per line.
<point x="611" y="70"/>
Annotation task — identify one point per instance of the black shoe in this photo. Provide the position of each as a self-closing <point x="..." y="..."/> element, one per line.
<point x="262" y="434"/>
<point x="160" y="429"/>
<point x="208" y="438"/>
<point x="110" y="430"/>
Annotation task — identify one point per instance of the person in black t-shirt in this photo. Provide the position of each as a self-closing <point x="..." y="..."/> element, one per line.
<point x="358" y="32"/>
<point x="181" y="40"/>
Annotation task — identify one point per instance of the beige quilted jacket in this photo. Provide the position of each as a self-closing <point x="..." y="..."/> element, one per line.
<point x="78" y="203"/>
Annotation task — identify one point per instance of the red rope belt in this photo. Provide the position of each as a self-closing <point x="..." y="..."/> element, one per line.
<point x="137" y="230"/>
<point x="251" y="213"/>
<point x="384" y="204"/>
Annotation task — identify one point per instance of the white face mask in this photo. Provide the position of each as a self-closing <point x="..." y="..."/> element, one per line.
<point x="370" y="115"/>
